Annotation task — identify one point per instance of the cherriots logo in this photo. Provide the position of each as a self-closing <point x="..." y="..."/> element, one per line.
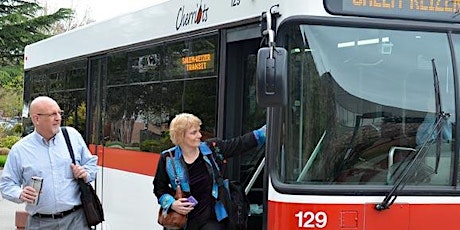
<point x="185" y="18"/>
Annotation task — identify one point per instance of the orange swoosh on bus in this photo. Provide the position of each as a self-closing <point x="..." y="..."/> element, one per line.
<point x="144" y="163"/>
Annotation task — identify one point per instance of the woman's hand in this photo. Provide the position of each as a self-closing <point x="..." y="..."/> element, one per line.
<point x="182" y="206"/>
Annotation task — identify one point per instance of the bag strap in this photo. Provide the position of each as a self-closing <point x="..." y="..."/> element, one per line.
<point x="176" y="179"/>
<point x="217" y="175"/>
<point x="69" y="145"/>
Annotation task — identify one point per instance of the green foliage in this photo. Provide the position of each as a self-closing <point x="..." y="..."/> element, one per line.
<point x="9" y="141"/>
<point x="21" y="23"/>
<point x="5" y="132"/>
<point x="156" y="145"/>
<point x="11" y="77"/>
<point x="115" y="144"/>
<point x="81" y="114"/>
<point x="3" y="155"/>
<point x="11" y="101"/>
<point x="3" y="160"/>
<point x="17" y="128"/>
<point x="20" y="26"/>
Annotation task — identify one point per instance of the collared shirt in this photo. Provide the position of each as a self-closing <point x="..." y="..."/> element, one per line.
<point x="32" y="156"/>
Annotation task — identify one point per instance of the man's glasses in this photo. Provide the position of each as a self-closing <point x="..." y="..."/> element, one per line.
<point x="55" y="114"/>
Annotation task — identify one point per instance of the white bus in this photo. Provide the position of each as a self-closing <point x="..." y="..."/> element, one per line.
<point x="351" y="91"/>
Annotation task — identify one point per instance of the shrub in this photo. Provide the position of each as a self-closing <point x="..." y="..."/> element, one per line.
<point x="156" y="145"/>
<point x="2" y="160"/>
<point x="9" y="141"/>
<point x="4" y="151"/>
<point x="115" y="144"/>
<point x="17" y="128"/>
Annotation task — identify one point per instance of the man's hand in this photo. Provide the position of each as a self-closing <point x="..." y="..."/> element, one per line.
<point x="28" y="195"/>
<point x="79" y="172"/>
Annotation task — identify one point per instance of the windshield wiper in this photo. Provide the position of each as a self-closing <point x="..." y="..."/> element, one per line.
<point x="408" y="172"/>
<point x="441" y="122"/>
<point x="439" y="112"/>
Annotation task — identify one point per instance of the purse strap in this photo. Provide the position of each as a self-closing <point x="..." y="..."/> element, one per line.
<point x="178" y="193"/>
<point x="176" y="179"/>
<point x="69" y="145"/>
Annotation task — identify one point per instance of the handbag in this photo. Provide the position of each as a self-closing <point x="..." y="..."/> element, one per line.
<point x="90" y="201"/>
<point x="235" y="200"/>
<point x="172" y="219"/>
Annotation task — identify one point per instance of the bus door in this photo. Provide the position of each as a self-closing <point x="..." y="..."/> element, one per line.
<point x="95" y="134"/>
<point x="241" y="112"/>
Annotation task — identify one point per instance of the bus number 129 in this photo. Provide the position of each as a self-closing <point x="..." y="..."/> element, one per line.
<point x="309" y="219"/>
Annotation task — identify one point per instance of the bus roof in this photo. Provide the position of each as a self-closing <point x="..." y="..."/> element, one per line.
<point x="165" y="19"/>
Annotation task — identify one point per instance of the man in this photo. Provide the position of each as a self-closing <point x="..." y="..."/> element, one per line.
<point x="44" y="153"/>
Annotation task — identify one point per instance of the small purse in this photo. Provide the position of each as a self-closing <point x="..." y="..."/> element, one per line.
<point x="172" y="219"/>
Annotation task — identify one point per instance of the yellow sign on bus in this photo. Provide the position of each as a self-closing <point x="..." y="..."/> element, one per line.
<point x="198" y="62"/>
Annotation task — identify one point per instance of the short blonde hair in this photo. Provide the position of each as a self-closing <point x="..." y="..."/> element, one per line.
<point x="180" y="124"/>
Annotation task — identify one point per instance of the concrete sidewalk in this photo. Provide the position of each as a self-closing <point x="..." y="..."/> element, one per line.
<point x="7" y="212"/>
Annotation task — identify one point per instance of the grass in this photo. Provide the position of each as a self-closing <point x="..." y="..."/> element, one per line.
<point x="2" y="160"/>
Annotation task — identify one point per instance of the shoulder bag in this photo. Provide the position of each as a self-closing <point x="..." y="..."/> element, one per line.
<point x="90" y="201"/>
<point x="172" y="219"/>
<point x="234" y="198"/>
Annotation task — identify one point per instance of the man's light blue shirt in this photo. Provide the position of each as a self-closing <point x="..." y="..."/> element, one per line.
<point x="32" y="156"/>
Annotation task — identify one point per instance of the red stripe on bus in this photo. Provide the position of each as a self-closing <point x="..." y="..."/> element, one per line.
<point x="402" y="216"/>
<point x="144" y="163"/>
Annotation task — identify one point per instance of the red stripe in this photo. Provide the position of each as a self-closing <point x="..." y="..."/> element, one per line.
<point x="127" y="160"/>
<point x="362" y="216"/>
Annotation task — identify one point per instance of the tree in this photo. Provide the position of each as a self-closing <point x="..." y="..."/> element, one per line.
<point x="19" y="26"/>
<point x="21" y="23"/>
<point x="11" y="90"/>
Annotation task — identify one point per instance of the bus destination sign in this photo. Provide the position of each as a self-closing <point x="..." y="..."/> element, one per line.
<point x="198" y="62"/>
<point x="431" y="10"/>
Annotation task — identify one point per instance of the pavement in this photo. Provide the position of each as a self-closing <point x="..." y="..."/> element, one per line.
<point x="7" y="212"/>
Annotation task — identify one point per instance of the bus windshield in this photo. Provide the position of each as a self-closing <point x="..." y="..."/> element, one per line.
<point x="362" y="103"/>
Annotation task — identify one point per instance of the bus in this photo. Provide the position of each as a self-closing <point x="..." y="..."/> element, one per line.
<point x="359" y="98"/>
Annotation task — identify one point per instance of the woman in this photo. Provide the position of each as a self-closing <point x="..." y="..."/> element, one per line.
<point x="192" y="160"/>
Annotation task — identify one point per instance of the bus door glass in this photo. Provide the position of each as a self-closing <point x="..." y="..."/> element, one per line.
<point x="242" y="113"/>
<point x="363" y="103"/>
<point x="97" y="73"/>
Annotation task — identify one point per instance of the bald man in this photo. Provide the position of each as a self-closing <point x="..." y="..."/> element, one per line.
<point x="44" y="153"/>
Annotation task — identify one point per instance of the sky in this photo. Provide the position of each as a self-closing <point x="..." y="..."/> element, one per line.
<point x="98" y="10"/>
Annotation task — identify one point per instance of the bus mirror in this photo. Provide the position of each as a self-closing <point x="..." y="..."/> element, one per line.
<point x="272" y="77"/>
